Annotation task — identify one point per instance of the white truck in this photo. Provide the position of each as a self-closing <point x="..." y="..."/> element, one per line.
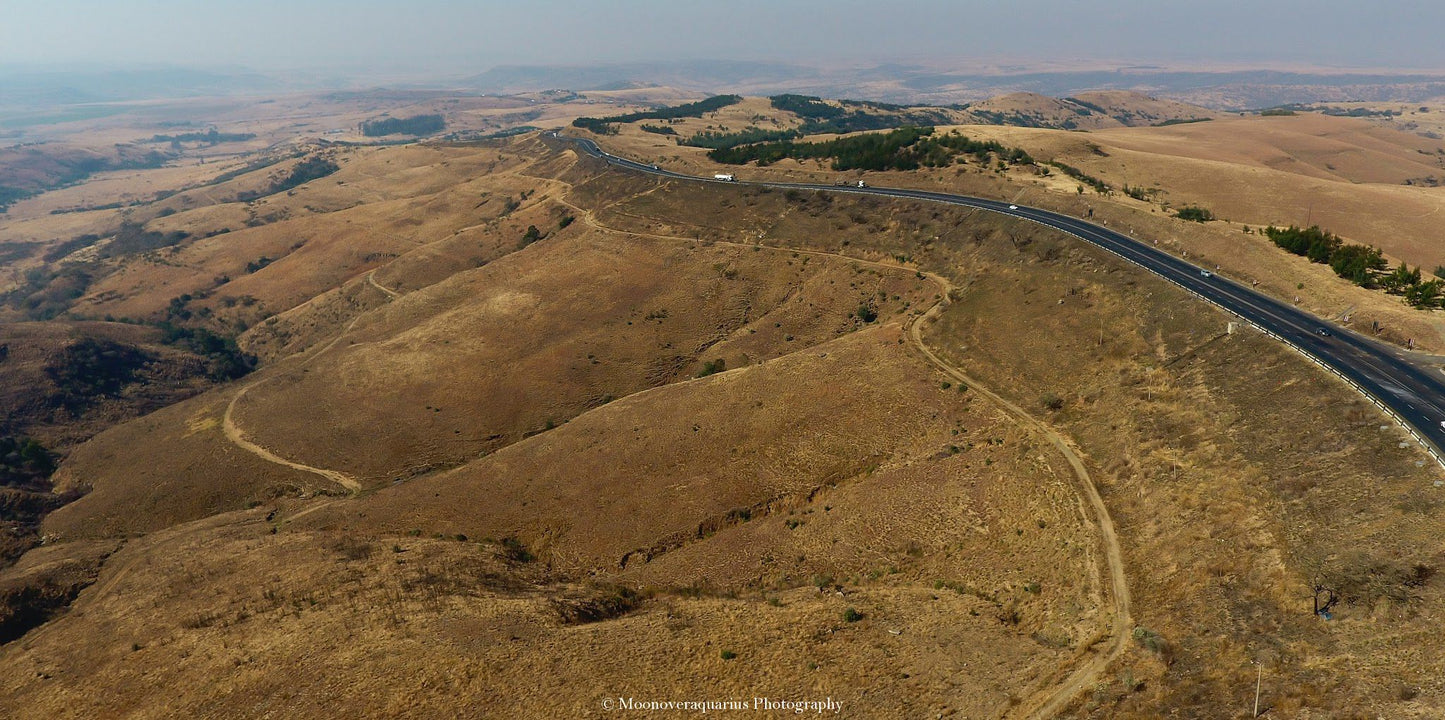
<point x="725" y="177"/>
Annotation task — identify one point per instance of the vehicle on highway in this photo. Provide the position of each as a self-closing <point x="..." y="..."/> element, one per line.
<point x="1205" y="273"/>
<point x="725" y="177"/>
<point x="1323" y="332"/>
<point x="860" y="184"/>
<point x="1013" y="207"/>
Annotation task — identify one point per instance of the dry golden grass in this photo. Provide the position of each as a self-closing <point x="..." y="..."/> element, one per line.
<point x="830" y="453"/>
<point x="1228" y="505"/>
<point x="856" y="463"/>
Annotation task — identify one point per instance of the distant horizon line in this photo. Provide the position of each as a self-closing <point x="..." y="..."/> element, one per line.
<point x="1000" y="66"/>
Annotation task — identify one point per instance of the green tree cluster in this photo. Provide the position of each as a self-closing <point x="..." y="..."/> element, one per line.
<point x="1098" y="185"/>
<point x="224" y="359"/>
<point x="414" y="125"/>
<point x="1194" y="214"/>
<point x="906" y="148"/>
<point x="603" y="125"/>
<point x="23" y="462"/>
<point x="210" y="137"/>
<point x="1361" y="264"/>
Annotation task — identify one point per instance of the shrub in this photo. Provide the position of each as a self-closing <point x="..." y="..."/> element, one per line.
<point x="852" y="615"/>
<point x="712" y="367"/>
<point x="728" y="655"/>
<point x="1155" y="643"/>
<point x="515" y="551"/>
<point x="1194" y="214"/>
<point x="532" y="235"/>
<point x="351" y="548"/>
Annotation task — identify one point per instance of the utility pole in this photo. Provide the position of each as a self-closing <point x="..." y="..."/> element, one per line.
<point x="1258" y="679"/>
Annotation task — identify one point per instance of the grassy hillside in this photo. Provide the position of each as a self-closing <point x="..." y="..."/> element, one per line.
<point x="528" y="432"/>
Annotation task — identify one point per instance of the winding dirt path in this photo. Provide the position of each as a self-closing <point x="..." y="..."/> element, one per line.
<point x="235" y="435"/>
<point x="1047" y="702"/>
<point x="1050" y="701"/>
<point x="371" y="278"/>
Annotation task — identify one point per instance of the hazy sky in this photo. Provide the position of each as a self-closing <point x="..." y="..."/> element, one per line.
<point x="450" y="36"/>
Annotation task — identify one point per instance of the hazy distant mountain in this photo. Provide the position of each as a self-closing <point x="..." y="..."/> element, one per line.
<point x="934" y="83"/>
<point x="48" y="88"/>
<point x="692" y="75"/>
<point x="940" y="85"/>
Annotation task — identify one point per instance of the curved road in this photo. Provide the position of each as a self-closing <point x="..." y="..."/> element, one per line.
<point x="1410" y="390"/>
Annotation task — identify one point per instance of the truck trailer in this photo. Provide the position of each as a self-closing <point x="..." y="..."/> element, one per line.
<point x="725" y="177"/>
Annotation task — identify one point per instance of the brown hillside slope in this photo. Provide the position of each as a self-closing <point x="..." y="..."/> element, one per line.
<point x="856" y="482"/>
<point x="582" y="317"/>
<point x="1084" y="111"/>
<point x="440" y="375"/>
<point x="857" y="464"/>
<point x="1134" y="109"/>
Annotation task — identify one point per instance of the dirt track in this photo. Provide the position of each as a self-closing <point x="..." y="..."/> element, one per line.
<point x="1043" y="703"/>
<point x="1046" y="702"/>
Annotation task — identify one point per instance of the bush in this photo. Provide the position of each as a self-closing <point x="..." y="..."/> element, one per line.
<point x="852" y="615"/>
<point x="1194" y="214"/>
<point x="514" y="551"/>
<point x="24" y="462"/>
<point x="351" y="549"/>
<point x="728" y="655"/>
<point x="866" y="313"/>
<point x="712" y="367"/>
<point x="1155" y="643"/>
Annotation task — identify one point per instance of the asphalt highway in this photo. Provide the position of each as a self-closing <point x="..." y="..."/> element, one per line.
<point x="1414" y="392"/>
